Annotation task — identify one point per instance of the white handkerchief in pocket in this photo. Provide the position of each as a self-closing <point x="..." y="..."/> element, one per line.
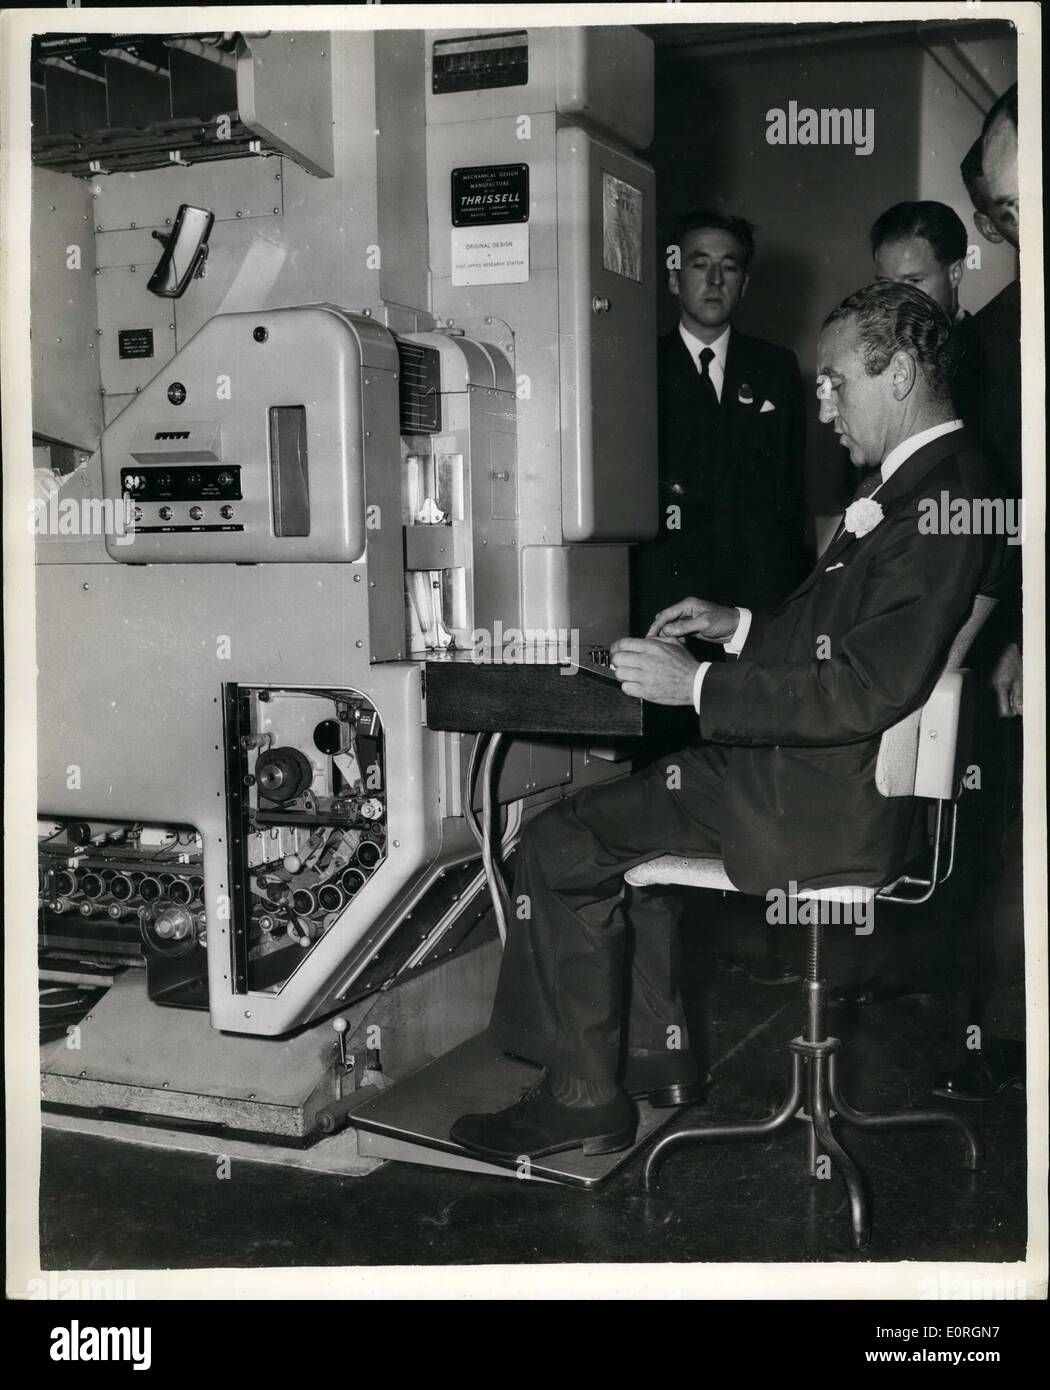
<point x="766" y="406"/>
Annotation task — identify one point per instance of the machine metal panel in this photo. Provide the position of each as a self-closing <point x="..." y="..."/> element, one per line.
<point x="231" y="189"/>
<point x="275" y="64"/>
<point x="607" y="290"/>
<point x="602" y="74"/>
<point x="67" y="404"/>
<point x="234" y="373"/>
<point x="577" y="589"/>
<point x="401" y="167"/>
<point x="130" y="750"/>
<point x="122" y="304"/>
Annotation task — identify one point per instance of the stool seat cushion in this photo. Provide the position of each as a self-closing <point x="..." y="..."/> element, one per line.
<point x="694" y="871"/>
<point x="707" y="871"/>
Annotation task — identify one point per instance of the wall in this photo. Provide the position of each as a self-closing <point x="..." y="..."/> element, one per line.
<point x="814" y="204"/>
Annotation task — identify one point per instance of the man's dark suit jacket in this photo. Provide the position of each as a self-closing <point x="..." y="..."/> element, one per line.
<point x="800" y="801"/>
<point x="992" y="412"/>
<point x="738" y="474"/>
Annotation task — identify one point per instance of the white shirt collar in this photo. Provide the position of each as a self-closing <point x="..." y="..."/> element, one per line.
<point x="696" y="345"/>
<point x="904" y="451"/>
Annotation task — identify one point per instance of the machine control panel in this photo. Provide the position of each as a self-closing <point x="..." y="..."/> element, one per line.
<point x="259" y="456"/>
<point x="182" y="483"/>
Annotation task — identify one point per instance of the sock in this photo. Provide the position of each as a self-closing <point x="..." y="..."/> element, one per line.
<point x="574" y="1091"/>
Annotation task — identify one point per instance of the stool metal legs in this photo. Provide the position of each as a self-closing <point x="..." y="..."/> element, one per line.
<point x="814" y="1097"/>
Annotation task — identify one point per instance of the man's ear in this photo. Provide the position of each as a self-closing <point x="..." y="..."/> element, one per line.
<point x="744" y="283"/>
<point x="955" y="273"/>
<point x="903" y="374"/>
<point x="986" y="227"/>
<point x="672" y="282"/>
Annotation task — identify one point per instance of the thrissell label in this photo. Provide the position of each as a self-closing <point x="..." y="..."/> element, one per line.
<point x="489" y="194"/>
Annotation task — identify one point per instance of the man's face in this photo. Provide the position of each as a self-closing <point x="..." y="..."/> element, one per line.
<point x="860" y="406"/>
<point x="999" y="173"/>
<point x="912" y="261"/>
<point x="712" y="279"/>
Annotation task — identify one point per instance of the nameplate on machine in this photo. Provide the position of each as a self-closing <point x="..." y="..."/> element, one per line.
<point x="489" y="236"/>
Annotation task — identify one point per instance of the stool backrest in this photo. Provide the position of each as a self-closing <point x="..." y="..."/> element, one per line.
<point x="933" y="729"/>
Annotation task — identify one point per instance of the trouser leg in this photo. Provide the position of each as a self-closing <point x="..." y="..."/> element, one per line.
<point x="561" y="990"/>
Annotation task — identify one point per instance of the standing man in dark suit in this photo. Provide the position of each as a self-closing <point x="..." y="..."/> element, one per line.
<point x="783" y="787"/>
<point x="731" y="429"/>
<point x="988" y="942"/>
<point x="731" y="439"/>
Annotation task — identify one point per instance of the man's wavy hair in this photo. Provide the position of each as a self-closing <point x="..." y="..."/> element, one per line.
<point x="893" y="317"/>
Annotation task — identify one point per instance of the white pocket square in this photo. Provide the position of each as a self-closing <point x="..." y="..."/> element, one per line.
<point x="766" y="405"/>
<point x="841" y="565"/>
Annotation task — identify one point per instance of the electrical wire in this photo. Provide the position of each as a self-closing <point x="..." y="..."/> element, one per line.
<point x="497" y="886"/>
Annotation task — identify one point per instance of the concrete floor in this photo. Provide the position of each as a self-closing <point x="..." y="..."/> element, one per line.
<point x="108" y="1205"/>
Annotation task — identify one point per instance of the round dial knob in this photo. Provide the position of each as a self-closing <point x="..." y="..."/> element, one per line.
<point x="173" y="924"/>
<point x="196" y="513"/>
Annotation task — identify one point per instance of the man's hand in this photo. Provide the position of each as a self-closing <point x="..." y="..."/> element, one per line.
<point x="657" y="670"/>
<point x="1006" y="682"/>
<point x="695" y="617"/>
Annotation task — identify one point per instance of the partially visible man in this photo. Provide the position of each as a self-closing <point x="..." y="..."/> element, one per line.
<point x="731" y="439"/>
<point x="987" y="939"/>
<point x="783" y="788"/>
<point x="922" y="244"/>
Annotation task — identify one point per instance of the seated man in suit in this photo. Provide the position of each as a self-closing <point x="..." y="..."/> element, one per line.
<point x="783" y="786"/>
<point x="731" y="440"/>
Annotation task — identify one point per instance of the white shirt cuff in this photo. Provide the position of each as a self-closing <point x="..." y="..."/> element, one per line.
<point x="698" y="680"/>
<point x="735" y="645"/>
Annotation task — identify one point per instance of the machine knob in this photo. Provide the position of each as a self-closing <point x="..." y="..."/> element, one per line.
<point x="196" y="513"/>
<point x="600" y="304"/>
<point x="226" y="512"/>
<point x="225" y="479"/>
<point x="165" y="513"/>
<point x="173" y="924"/>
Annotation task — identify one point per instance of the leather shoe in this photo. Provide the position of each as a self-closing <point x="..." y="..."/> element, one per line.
<point x="665" y="1079"/>
<point x="982" y="1076"/>
<point x="537" y="1125"/>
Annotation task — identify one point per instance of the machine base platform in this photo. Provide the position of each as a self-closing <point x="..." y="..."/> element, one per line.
<point x="410" y="1122"/>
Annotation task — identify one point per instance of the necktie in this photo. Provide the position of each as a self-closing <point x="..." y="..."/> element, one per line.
<point x="871" y="480"/>
<point x="706" y="358"/>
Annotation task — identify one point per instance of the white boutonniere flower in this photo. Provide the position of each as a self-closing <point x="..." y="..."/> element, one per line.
<point x="862" y="516"/>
